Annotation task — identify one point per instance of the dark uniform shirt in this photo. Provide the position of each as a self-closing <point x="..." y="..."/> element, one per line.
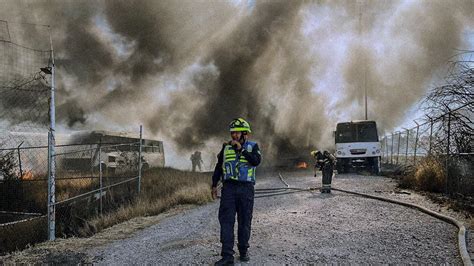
<point x="253" y="158"/>
<point x="323" y="159"/>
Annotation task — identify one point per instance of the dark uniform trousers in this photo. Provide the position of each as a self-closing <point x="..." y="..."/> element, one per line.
<point x="236" y="198"/>
<point x="327" y="170"/>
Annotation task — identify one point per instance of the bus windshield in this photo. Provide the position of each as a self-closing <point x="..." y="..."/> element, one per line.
<point x="356" y="132"/>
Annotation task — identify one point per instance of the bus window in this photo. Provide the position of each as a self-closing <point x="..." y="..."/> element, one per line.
<point x="367" y="132"/>
<point x="345" y="133"/>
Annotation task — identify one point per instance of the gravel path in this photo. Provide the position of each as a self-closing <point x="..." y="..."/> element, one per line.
<point x="304" y="227"/>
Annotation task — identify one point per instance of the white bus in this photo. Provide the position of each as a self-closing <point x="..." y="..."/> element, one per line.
<point x="357" y="146"/>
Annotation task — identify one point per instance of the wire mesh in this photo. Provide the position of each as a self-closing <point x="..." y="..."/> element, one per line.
<point x="446" y="137"/>
<point x="24" y="118"/>
<point x="93" y="179"/>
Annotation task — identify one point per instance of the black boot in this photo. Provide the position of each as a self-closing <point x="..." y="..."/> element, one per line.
<point x="225" y="261"/>
<point x="244" y="256"/>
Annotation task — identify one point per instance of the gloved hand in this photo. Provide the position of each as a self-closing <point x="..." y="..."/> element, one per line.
<point x="236" y="144"/>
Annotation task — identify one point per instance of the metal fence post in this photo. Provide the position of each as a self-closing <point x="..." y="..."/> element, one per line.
<point x="406" y="149"/>
<point x="100" y="177"/>
<point x="398" y="144"/>
<point x="386" y="149"/>
<point x="447" y="151"/>
<point x="19" y="160"/>
<point x="391" y="150"/>
<point x="140" y="160"/>
<point x="51" y="155"/>
<point x="431" y="135"/>
<point x="416" y="142"/>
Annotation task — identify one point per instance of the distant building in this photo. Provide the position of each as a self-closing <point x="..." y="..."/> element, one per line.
<point x="114" y="156"/>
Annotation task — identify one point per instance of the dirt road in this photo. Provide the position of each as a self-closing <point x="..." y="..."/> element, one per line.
<point x="304" y="227"/>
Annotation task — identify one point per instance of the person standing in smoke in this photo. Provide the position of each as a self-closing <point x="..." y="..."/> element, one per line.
<point x="196" y="160"/>
<point x="236" y="165"/>
<point x="325" y="162"/>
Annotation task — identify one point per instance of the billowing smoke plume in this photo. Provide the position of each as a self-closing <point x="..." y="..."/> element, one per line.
<point x="399" y="50"/>
<point x="292" y="68"/>
<point x="260" y="71"/>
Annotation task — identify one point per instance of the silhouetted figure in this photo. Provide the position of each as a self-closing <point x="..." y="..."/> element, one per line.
<point x="196" y="160"/>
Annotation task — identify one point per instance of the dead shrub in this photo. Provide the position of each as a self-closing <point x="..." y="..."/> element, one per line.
<point x="430" y="175"/>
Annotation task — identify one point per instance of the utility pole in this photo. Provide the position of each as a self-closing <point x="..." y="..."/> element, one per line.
<point x="51" y="151"/>
<point x="140" y="160"/>
<point x="365" y="85"/>
<point x="365" y="61"/>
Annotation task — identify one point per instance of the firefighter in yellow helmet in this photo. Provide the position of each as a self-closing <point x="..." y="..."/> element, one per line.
<point x="325" y="162"/>
<point x="236" y="165"/>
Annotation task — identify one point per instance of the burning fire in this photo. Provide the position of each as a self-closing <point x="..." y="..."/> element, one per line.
<point x="28" y="175"/>
<point x="302" y="165"/>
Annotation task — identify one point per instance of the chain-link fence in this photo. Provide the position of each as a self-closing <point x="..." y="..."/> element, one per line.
<point x="92" y="180"/>
<point x="438" y="138"/>
<point x="25" y="100"/>
<point x="50" y="189"/>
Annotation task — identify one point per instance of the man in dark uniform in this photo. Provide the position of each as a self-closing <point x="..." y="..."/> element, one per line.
<point x="236" y="165"/>
<point x="196" y="160"/>
<point x="325" y="162"/>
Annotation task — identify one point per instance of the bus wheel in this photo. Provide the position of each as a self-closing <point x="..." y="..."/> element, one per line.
<point x="340" y="169"/>
<point x="375" y="166"/>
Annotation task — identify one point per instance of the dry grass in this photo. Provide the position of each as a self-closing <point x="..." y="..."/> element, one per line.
<point x="32" y="196"/>
<point x="428" y="175"/>
<point x="23" y="233"/>
<point x="73" y="187"/>
<point x="73" y="250"/>
<point x="470" y="223"/>
<point x="162" y="189"/>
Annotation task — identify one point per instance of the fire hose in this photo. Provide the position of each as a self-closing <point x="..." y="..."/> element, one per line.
<point x="269" y="192"/>
<point x="462" y="246"/>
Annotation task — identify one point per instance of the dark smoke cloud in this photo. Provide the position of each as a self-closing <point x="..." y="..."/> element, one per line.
<point x="74" y="113"/>
<point x="26" y="104"/>
<point x="145" y="24"/>
<point x="266" y="42"/>
<point x="186" y="68"/>
<point x="158" y="35"/>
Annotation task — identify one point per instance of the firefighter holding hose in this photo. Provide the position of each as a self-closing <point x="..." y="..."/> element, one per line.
<point x="325" y="162"/>
<point x="236" y="165"/>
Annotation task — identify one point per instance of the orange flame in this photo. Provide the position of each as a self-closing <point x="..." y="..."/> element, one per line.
<point x="302" y="165"/>
<point x="28" y="175"/>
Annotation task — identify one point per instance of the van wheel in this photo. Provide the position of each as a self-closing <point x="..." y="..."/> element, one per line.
<point x="340" y="169"/>
<point x="375" y="166"/>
